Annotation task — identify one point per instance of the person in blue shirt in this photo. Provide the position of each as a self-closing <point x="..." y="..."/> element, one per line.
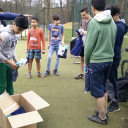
<point x="122" y="29"/>
<point x="55" y="38"/>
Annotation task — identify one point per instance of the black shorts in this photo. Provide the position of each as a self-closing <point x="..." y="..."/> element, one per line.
<point x="82" y="52"/>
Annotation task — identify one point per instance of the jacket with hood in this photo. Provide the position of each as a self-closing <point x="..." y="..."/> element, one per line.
<point x="8" y="44"/>
<point x="100" y="40"/>
<point x="122" y="29"/>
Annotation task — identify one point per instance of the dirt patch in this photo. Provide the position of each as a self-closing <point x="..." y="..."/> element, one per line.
<point x="68" y="25"/>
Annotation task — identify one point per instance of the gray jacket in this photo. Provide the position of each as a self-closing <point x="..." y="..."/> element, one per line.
<point x="8" y="44"/>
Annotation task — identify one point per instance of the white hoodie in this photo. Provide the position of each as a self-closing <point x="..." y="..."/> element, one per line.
<point x="8" y="44"/>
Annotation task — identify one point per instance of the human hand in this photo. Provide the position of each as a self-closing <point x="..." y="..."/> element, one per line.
<point x="43" y="51"/>
<point x="48" y="46"/>
<point x="62" y="43"/>
<point x="27" y="15"/>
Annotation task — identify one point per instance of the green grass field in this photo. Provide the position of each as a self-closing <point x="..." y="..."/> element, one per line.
<point x="69" y="105"/>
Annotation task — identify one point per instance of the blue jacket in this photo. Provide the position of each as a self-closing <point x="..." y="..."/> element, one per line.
<point x="8" y="16"/>
<point x="76" y="50"/>
<point x="122" y="29"/>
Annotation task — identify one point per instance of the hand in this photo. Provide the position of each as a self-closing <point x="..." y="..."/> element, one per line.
<point x="14" y="66"/>
<point x="43" y="51"/>
<point x="0" y="38"/>
<point x="48" y="46"/>
<point x="77" y="33"/>
<point x="27" y="15"/>
<point x="85" y="32"/>
<point x="62" y="43"/>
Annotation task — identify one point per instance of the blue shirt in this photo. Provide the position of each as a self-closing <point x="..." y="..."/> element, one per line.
<point x="55" y="34"/>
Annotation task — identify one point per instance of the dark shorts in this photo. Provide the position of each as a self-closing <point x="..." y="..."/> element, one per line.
<point x="97" y="78"/>
<point x="34" y="53"/>
<point x="82" y="52"/>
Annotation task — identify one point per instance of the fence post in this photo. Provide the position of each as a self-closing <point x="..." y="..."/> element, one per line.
<point x="73" y="17"/>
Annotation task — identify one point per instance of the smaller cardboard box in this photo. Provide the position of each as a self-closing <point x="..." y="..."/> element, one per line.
<point x="31" y="103"/>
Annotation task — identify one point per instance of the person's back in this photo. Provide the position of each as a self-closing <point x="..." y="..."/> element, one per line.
<point x="99" y="53"/>
<point x="104" y="36"/>
<point x="121" y="31"/>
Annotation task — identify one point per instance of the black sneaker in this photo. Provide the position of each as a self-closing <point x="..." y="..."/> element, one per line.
<point x="97" y="113"/>
<point x="113" y="107"/>
<point x="97" y="119"/>
<point x="81" y="76"/>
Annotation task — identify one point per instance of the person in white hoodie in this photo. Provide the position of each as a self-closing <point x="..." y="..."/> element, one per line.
<point x="7" y="52"/>
<point x="99" y="53"/>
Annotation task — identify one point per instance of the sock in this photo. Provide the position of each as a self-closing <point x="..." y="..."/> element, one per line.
<point x="102" y="118"/>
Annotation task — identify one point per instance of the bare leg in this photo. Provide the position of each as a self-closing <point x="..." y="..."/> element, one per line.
<point x="101" y="103"/>
<point x="82" y="65"/>
<point x="30" y="65"/>
<point x="38" y="65"/>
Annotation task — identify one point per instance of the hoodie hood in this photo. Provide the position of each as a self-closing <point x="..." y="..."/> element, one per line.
<point x="8" y="29"/>
<point x="104" y="17"/>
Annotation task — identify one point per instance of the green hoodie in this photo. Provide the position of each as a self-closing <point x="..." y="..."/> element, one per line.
<point x="100" y="39"/>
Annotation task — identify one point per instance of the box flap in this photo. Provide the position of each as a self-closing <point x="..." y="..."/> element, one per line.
<point x="7" y="104"/>
<point x="35" y="100"/>
<point x="25" y="119"/>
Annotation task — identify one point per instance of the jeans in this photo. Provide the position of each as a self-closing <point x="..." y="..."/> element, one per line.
<point x="113" y="78"/>
<point x="50" y="53"/>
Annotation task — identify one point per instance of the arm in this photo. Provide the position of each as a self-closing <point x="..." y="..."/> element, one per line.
<point x="14" y="56"/>
<point x="28" y="39"/>
<point x="62" y="31"/>
<point x="48" y="39"/>
<point x="62" y="39"/>
<point x="2" y="57"/>
<point x="8" y="16"/>
<point x="43" y="41"/>
<point x="91" y="38"/>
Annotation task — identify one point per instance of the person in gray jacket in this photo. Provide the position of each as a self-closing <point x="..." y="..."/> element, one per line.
<point x="9" y="36"/>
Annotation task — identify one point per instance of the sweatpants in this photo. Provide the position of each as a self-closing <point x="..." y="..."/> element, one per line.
<point x="6" y="83"/>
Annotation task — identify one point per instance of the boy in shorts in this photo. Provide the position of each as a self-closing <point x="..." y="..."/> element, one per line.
<point x="35" y="35"/>
<point x="99" y="53"/>
<point x="7" y="52"/>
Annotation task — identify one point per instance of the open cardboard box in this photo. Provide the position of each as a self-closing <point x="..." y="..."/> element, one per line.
<point x="31" y="103"/>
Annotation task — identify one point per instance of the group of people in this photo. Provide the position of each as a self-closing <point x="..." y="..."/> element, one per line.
<point x="100" y="54"/>
<point x="9" y="36"/>
<point x="55" y="38"/>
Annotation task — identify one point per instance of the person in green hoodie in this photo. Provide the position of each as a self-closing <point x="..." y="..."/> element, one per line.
<point x="99" y="53"/>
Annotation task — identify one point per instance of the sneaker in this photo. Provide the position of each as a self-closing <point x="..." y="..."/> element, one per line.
<point x="81" y="76"/>
<point x="97" y="113"/>
<point x="97" y="119"/>
<point x="47" y="73"/>
<point x="55" y="72"/>
<point x="113" y="107"/>
<point x="39" y="74"/>
<point x="29" y="75"/>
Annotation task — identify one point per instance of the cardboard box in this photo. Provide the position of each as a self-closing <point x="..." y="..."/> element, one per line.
<point x="31" y="103"/>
